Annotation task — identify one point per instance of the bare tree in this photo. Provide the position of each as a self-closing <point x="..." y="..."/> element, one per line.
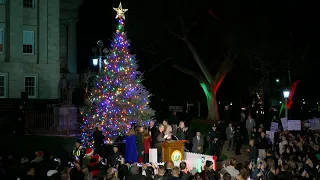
<point x="209" y="82"/>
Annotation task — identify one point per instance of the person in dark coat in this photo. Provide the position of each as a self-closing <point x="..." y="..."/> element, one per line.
<point x="214" y="136"/>
<point x="114" y="156"/>
<point x="20" y="126"/>
<point x="154" y="131"/>
<point x="53" y="173"/>
<point x="98" y="138"/>
<point x="222" y="129"/>
<point x="238" y="139"/>
<point x="252" y="152"/>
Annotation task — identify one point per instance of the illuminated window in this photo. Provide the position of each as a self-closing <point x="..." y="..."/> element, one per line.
<point x="28" y="42"/>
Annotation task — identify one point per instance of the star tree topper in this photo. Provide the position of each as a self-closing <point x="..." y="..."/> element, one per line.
<point x="120" y="12"/>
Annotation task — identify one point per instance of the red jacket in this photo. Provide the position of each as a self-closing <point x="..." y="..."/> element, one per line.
<point x="146" y="144"/>
<point x="94" y="164"/>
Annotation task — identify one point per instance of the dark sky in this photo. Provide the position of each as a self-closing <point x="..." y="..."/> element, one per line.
<point x="279" y="30"/>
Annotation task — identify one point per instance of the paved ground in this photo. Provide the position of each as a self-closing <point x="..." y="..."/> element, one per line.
<point x="239" y="158"/>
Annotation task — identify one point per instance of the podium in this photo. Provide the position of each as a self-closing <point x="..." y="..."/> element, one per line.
<point x="173" y="150"/>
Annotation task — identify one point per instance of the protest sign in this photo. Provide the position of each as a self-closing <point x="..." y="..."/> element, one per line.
<point x="274" y="127"/>
<point x="284" y="123"/>
<point x="270" y="135"/>
<point x="294" y="125"/>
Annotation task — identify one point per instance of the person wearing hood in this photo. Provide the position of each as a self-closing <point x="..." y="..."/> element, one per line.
<point x="53" y="173"/>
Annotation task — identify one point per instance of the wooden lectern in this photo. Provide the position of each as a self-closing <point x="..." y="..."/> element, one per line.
<point x="173" y="150"/>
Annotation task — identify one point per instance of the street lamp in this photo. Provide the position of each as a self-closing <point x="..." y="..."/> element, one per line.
<point x="98" y="61"/>
<point x="277" y="80"/>
<point x="286" y="94"/>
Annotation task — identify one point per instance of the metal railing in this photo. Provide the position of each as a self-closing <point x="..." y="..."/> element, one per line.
<point x="48" y="124"/>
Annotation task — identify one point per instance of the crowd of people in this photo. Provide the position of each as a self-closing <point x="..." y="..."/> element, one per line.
<point x="290" y="155"/>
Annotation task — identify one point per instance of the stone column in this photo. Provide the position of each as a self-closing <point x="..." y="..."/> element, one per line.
<point x="72" y="46"/>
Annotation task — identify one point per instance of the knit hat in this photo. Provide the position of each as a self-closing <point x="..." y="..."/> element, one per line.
<point x="208" y="163"/>
<point x="89" y="152"/>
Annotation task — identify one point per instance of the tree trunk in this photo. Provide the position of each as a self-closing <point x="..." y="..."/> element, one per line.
<point x="212" y="105"/>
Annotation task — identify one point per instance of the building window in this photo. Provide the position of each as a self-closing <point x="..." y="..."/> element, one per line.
<point x="30" y="86"/>
<point x="1" y="40"/>
<point x="28" y="42"/>
<point x="3" y="85"/>
<point x="28" y="3"/>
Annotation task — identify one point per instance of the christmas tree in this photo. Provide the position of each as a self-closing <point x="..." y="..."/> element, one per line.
<point x="118" y="99"/>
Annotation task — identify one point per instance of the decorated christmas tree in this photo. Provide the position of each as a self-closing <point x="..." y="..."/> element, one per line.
<point x="118" y="99"/>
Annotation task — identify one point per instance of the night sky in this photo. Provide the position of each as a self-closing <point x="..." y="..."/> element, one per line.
<point x="278" y="30"/>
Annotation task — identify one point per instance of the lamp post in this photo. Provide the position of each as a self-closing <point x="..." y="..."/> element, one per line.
<point x="286" y="94"/>
<point x="98" y="61"/>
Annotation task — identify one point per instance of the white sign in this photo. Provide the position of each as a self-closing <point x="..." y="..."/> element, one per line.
<point x="284" y="123"/>
<point x="270" y="135"/>
<point x="314" y="124"/>
<point x="274" y="127"/>
<point x="294" y="125"/>
<point x="176" y="108"/>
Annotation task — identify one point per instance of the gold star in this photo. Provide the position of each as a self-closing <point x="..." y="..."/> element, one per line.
<point x="120" y="12"/>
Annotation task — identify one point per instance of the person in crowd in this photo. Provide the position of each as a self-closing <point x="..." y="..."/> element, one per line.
<point x="161" y="137"/>
<point x="174" y="120"/>
<point x="98" y="138"/>
<point x="94" y="165"/>
<point x="226" y="176"/>
<point x="135" y="174"/>
<point x="208" y="172"/>
<point x="263" y="145"/>
<point x="184" y="173"/>
<point x="230" y="132"/>
<point x="282" y="145"/>
<point x="231" y="168"/>
<point x="238" y="139"/>
<point x="114" y="156"/>
<point x="139" y="135"/>
<point x="175" y="173"/>
<point x="252" y="152"/>
<point x="167" y="128"/>
<point x="131" y="153"/>
<point x="53" y="173"/>
<point x="182" y="131"/>
<point x="76" y="172"/>
<point x="214" y="140"/>
<point x="30" y="174"/>
<point x="112" y="174"/>
<point x="222" y="130"/>
<point x="168" y="165"/>
<point x="161" y="174"/>
<point x="39" y="165"/>
<point x="197" y="143"/>
<point x="153" y="129"/>
<point x="21" y="123"/>
<point x="250" y="124"/>
<point x="254" y="134"/>
<point x="78" y="151"/>
<point x="147" y="139"/>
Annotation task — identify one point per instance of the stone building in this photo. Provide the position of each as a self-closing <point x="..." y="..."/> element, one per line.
<point x="37" y="44"/>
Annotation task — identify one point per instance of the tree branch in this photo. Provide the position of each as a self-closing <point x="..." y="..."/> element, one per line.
<point x="197" y="76"/>
<point x="158" y="64"/>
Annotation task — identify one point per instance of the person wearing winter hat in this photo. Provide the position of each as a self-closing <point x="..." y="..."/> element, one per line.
<point x="208" y="173"/>
<point x="94" y="164"/>
<point x="78" y="152"/>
